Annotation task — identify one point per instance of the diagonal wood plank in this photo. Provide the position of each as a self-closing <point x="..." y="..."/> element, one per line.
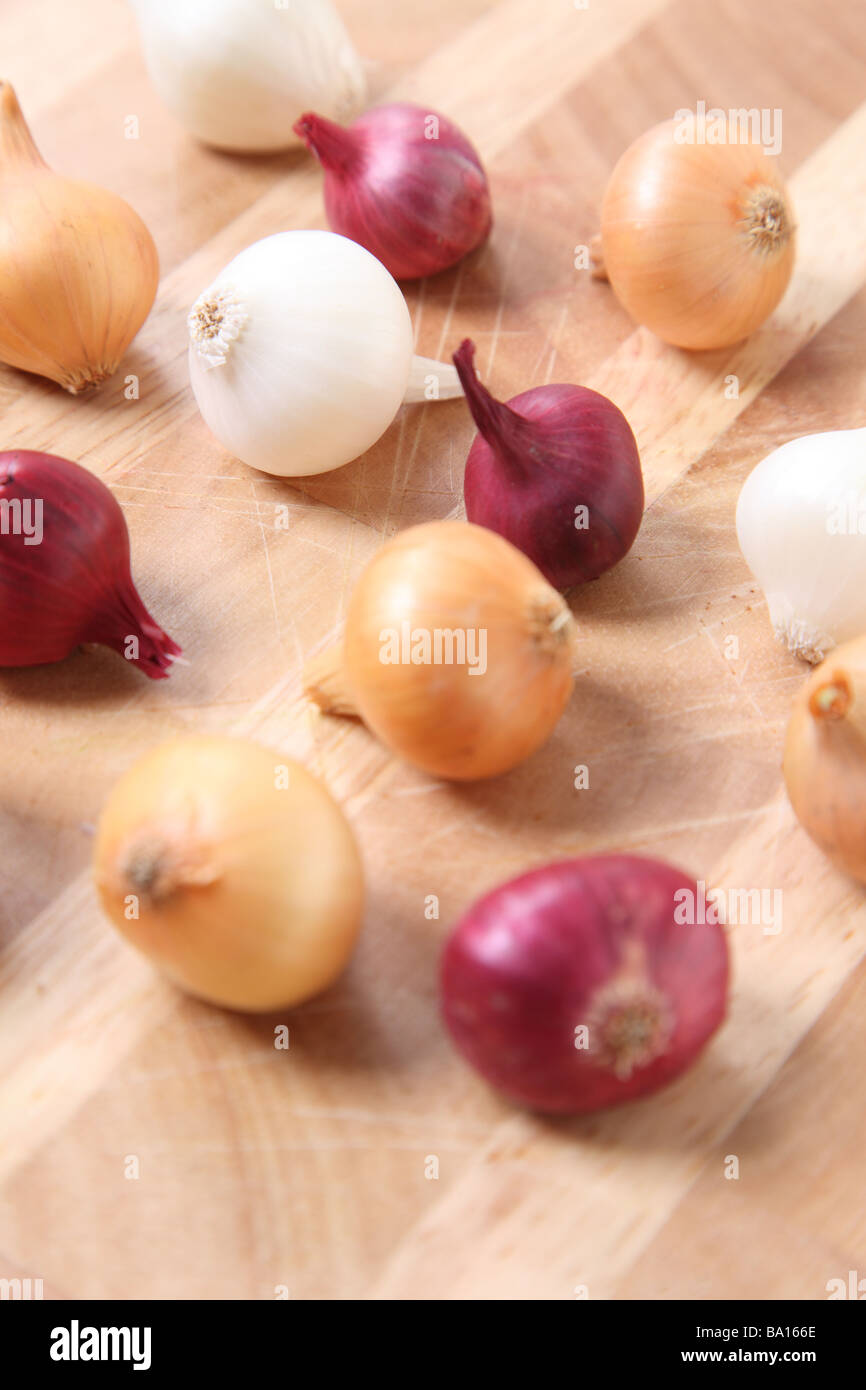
<point x="654" y="1149"/>
<point x="662" y="713"/>
<point x="709" y="414"/>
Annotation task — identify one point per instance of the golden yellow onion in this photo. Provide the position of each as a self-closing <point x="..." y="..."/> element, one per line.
<point x="825" y="757"/>
<point x="232" y="869"/>
<point x="451" y="589"/>
<point x="78" y="268"/>
<point x="697" y="238"/>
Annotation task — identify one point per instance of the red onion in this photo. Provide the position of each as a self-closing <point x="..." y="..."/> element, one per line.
<point x="64" y="569"/>
<point x="556" y="471"/>
<point x="590" y="944"/>
<point x="405" y="183"/>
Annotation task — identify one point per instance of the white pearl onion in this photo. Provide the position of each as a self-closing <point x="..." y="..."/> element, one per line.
<point x="300" y="352"/>
<point x="239" y="73"/>
<point x="801" y="524"/>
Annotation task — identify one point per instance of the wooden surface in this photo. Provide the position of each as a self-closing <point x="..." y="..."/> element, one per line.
<point x="306" y="1169"/>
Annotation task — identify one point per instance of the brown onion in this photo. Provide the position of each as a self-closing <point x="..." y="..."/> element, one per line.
<point x="825" y="757"/>
<point x="457" y="652"/>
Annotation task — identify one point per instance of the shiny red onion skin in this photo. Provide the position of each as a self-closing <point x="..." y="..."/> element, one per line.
<point x="76" y="585"/>
<point x="523" y="967"/>
<point x="541" y="455"/>
<point x="418" y="204"/>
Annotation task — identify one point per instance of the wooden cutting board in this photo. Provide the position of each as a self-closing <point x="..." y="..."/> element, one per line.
<point x="309" y="1171"/>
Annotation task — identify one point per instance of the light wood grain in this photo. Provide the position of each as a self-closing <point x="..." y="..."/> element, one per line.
<point x="307" y="1168"/>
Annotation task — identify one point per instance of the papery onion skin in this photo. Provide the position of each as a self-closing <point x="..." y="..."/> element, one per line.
<point x="74" y="585"/>
<point x="801" y="525"/>
<point x="419" y="204"/>
<point x="78" y="268"/>
<point x="584" y="943"/>
<point x="236" y="73"/>
<point x="300" y="353"/>
<point x="243" y="870"/>
<point x="698" y="239"/>
<point x="452" y="576"/>
<point x="539" y="461"/>
<point x="825" y="757"/>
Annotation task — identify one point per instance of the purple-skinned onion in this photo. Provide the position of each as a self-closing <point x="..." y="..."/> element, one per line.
<point x="405" y="183"/>
<point x="65" y="569"/>
<point x="586" y="983"/>
<point x="556" y="471"/>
